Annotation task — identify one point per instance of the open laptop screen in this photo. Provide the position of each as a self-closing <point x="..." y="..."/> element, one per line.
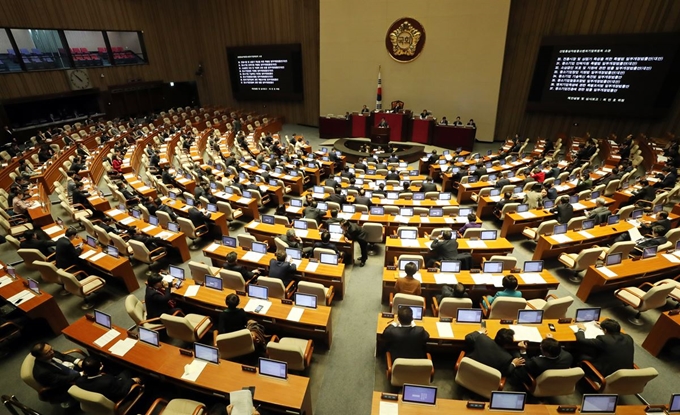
<point x="419" y="394"/>
<point x="599" y="404"/>
<point x="450" y="266"/>
<point x="674" y="406"/>
<point x="102" y="319"/>
<point x="533" y="266"/>
<point x="469" y="315"/>
<point x="258" y="291"/>
<point x="149" y="337"/>
<point x="305" y="300"/>
<point x="229" y="241"/>
<point x="507" y="401"/>
<point x="176" y="272"/>
<point x="529" y="316"/>
<point x="493" y="267"/>
<point x="614" y="259"/>
<point x="408" y="234"/>
<point x="584" y="315"/>
<point x="274" y="368"/>
<point x="213" y="282"/>
<point x="207" y="353"/>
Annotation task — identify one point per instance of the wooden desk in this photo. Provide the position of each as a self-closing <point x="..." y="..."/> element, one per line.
<point x="547" y="247"/>
<point x="448" y="136"/>
<point x="666" y="327"/>
<point x="42" y="306"/>
<point x="394" y="247"/>
<point x="167" y="364"/>
<point x="295" y="182"/>
<point x="219" y="219"/>
<point x="315" y="323"/>
<point x="334" y="127"/>
<point x="629" y="273"/>
<point x="247" y="205"/>
<point x="140" y="187"/>
<point x="431" y="287"/>
<point x="328" y="275"/>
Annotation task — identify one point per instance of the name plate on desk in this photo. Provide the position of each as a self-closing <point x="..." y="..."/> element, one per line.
<point x="565" y="320"/>
<point x="250" y="369"/>
<point x="388" y="315"/>
<point x="674" y="312"/>
<point x="446" y="319"/>
<point x="504" y="321"/>
<point x="389" y="396"/>
<point x="241" y="293"/>
<point x="391" y="268"/>
<point x="432" y="269"/>
<point x="286" y="301"/>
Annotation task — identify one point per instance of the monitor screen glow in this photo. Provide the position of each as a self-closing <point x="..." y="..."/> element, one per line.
<point x="149" y="337"/>
<point x="419" y="394"/>
<point x="207" y="353"/>
<point x="469" y="315"/>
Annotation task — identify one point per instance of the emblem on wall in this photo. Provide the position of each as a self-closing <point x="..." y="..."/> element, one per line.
<point x="405" y="39"/>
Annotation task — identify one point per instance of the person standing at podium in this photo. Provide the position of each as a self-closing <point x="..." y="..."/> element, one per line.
<point x="383" y="123"/>
<point x="457" y="123"/>
<point x="424" y="114"/>
<point x="471" y="123"/>
<point x="365" y="110"/>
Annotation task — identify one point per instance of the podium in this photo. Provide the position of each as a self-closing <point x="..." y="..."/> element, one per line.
<point x="380" y="135"/>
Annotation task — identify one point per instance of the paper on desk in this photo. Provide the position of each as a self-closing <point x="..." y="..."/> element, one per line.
<point x="149" y="228"/>
<point x="121" y="347"/>
<point x="411" y="243"/>
<point x="671" y="258"/>
<point x="301" y="233"/>
<point x="87" y="254"/>
<point x="561" y="238"/>
<point x="444" y="329"/>
<point x="586" y="234"/>
<point x="192" y="290"/>
<point x="416" y="202"/>
<point x="387" y="201"/>
<point x="449" y="220"/>
<point x="592" y="329"/>
<point x="212" y="247"/>
<point x="345" y="215"/>
<point x="253" y="303"/>
<point x="243" y="200"/>
<point x="364" y="217"/>
<point x="443" y="202"/>
<point x="252" y="256"/>
<point x="97" y="257"/>
<point x="165" y="235"/>
<point x="402" y="219"/>
<point x="526" y="215"/>
<point x="292" y="209"/>
<point x="445" y="278"/>
<point x="532" y="278"/>
<point x="115" y="212"/>
<point x="318" y="195"/>
<point x="424" y="219"/>
<point x="143" y="188"/>
<point x="53" y="229"/>
<point x="167" y="278"/>
<point x="295" y="314"/>
<point x="5" y="280"/>
<point x="242" y="401"/>
<point x="388" y="408"/>
<point x="193" y="370"/>
<point x="127" y="220"/>
<point x="578" y="206"/>
<point x="24" y="296"/>
<point x="607" y="272"/>
<point x="107" y="337"/>
<point x="476" y="244"/>
<point x="311" y="266"/>
<point x="530" y="334"/>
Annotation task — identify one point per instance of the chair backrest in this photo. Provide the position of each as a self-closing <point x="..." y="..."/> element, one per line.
<point x="507" y="208"/>
<point x="557" y="382"/>
<point x="319" y="251"/>
<point x="71" y="283"/>
<point x="586" y="258"/>
<point x="673" y="235"/>
<point x="288" y="352"/>
<point x="225" y="208"/>
<point x="408" y="299"/>
<point x="576" y="223"/>
<point x="232" y="280"/>
<point x="311" y="223"/>
<point x="506" y="307"/>
<point x="477" y="377"/>
<point x="187" y="227"/>
<point x="235" y="344"/>
<point x="48" y="271"/>
<point x="275" y="285"/>
<point x="418" y="259"/>
<point x="102" y="235"/>
<point x="27" y="373"/>
<point x="245" y="241"/>
<point x="611" y="187"/>
<point x="474" y="232"/>
<point x="280" y="245"/>
<point x="30" y="256"/>
<point x="629" y="381"/>
<point x="623" y="247"/>
<point x="414" y="371"/>
<point x="140" y="252"/>
<point x="178" y="327"/>
<point x="624" y="212"/>
<point x="557" y="308"/>
<point x="163" y="218"/>
<point x="449" y="306"/>
<point x="313" y="288"/>
<point x="656" y="296"/>
<point x="374" y="232"/>
<point x="509" y="262"/>
<point x="281" y="220"/>
<point x="92" y="402"/>
<point x="198" y="271"/>
<point x="135" y="309"/>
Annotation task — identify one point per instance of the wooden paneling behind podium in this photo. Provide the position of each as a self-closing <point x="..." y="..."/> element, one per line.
<point x="530" y="20"/>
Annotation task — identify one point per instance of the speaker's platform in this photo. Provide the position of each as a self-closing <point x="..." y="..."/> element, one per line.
<point x="349" y="147"/>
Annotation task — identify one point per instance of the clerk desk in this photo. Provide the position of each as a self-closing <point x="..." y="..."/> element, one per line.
<point x="165" y="363"/>
<point x="395" y="247"/>
<point x="548" y="247"/>
<point x="666" y="327"/>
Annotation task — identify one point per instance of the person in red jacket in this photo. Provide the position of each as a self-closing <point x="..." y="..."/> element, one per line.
<point x="117" y="164"/>
<point x="538" y="175"/>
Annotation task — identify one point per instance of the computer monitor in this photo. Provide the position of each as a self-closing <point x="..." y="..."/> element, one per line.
<point x="473" y="179"/>
<point x="450" y="266"/>
<point x="599" y="404"/>
<point x="335" y="228"/>
<point x="649" y="252"/>
<point x="403" y="262"/>
<point x="268" y="219"/>
<point x="595" y="195"/>
<point x="207" y="353"/>
<point x="417" y="311"/>
<point x="229" y="241"/>
<point x="213" y="186"/>
<point x="330" y="259"/>
<point x="464" y="211"/>
<point x="548" y="204"/>
<point x="522" y="208"/>
<point x="517" y="189"/>
<point x="614" y="259"/>
<point x="247" y="194"/>
<point x="212" y="208"/>
<point x="33" y="285"/>
<point x="150" y="337"/>
<point x="418" y="394"/>
<point x="377" y="210"/>
<point x="419" y="196"/>
<point x="190" y="201"/>
<point x="507" y="401"/>
<point x="229" y="190"/>
<point x="300" y="224"/>
<point x="296" y="202"/>
<point x="91" y="241"/>
<point x="584" y="315"/>
<point x="322" y="206"/>
<point x="657" y="208"/>
<point x="436" y="212"/>
<point x="259" y="247"/>
<point x="392" y="195"/>
<point x="273" y="368"/>
<point x="173" y="226"/>
<point x="674" y="405"/>
<point x="613" y="219"/>
<point x="305" y="300"/>
<point x="493" y="267"/>
<point x="136" y="213"/>
<point x="488" y="235"/>
<point x="349" y="208"/>
<point x="588" y="224"/>
<point x="529" y="316"/>
<point x="102" y="319"/>
<point x="172" y="195"/>
<point x="560" y="229"/>
<point x="533" y="266"/>
<point x="258" y="291"/>
<point x="406" y="211"/>
<point x="637" y="214"/>
<point x="294" y="253"/>
<point x="112" y="250"/>
<point x="469" y="315"/>
<point x="176" y="272"/>
<point x="445" y="196"/>
<point x="408" y="234"/>
<point x="153" y="220"/>
<point x="213" y="282"/>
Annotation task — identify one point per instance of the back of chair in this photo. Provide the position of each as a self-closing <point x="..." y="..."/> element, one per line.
<point x="91" y="402"/>
<point x="624" y="212"/>
<point x="507" y="307"/>
<point x="186" y="226"/>
<point x="656" y="296"/>
<point x="313" y="288"/>
<point x="139" y="251"/>
<point x="280" y="245"/>
<point x="477" y="377"/>
<point x="178" y="328"/>
<point x="374" y="232"/>
<point x="319" y="251"/>
<point x="275" y="285"/>
<point x="586" y="258"/>
<point x="408" y="299"/>
<point x="199" y="271"/>
<point x="235" y="344"/>
<point x="557" y="382"/>
<point x="629" y="381"/>
<point x="27" y="373"/>
<point x="576" y="223"/>
<point x="102" y="236"/>
<point x="417" y="259"/>
<point x="509" y="262"/>
<point x="135" y="309"/>
<point x="621" y="247"/>
<point x="71" y="283"/>
<point x="474" y="232"/>
<point x="449" y="306"/>
<point x="48" y="272"/>
<point x="30" y="256"/>
<point x="232" y="280"/>
<point x="557" y="308"/>
<point x="245" y="241"/>
<point x="414" y="371"/>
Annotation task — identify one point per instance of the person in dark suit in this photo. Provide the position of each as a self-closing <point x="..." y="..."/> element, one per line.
<point x="552" y="357"/>
<point x="554" y="170"/>
<point x="669" y="179"/>
<point x="646" y="228"/>
<point x="198" y="218"/>
<point x="507" y="198"/>
<point x="383" y="123"/>
<point x="564" y="210"/>
<point x="584" y="183"/>
<point x="600" y="211"/>
<point x="232" y="318"/>
<point x="393" y="158"/>
<point x="493" y="353"/>
<point x="79" y="197"/>
<point x="346" y="173"/>
<point x="326" y="243"/>
<point x="443" y="248"/>
<point x="281" y="269"/>
<point x="67" y="254"/>
<point x="647" y="192"/>
<point x="53" y="369"/>
<point x="392" y="174"/>
<point x="658" y="238"/>
<point x="428" y="186"/>
<point x="480" y="170"/>
<point x="503" y="181"/>
<point x="612" y="350"/>
<point x="365" y="110"/>
<point x="362" y="199"/>
<point x="232" y="265"/>
<point x="337" y="197"/>
<point x="403" y="339"/>
<point x="95" y="380"/>
<point x="361" y="164"/>
<point x="291" y="239"/>
<point x="31" y="242"/>
<point x="549" y="191"/>
<point x="158" y="297"/>
<point x="354" y="232"/>
<point x="312" y="212"/>
<point x="457" y="122"/>
<point x="615" y="174"/>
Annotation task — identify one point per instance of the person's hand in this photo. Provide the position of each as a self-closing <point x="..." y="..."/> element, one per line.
<point x="137" y="381"/>
<point x="581" y="326"/>
<point x="518" y="361"/>
<point x="522" y="344"/>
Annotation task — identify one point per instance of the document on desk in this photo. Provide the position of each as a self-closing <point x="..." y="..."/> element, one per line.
<point x="592" y="329"/>
<point x="578" y="206"/>
<point x="388" y="408"/>
<point x="443" y="202"/>
<point x="242" y="401"/>
<point x="415" y="202"/>
<point x="476" y="244"/>
<point x="148" y="228"/>
<point x="243" y="200"/>
<point x="402" y="219"/>
<point x="192" y="290"/>
<point x="532" y="278"/>
<point x="107" y="337"/>
<point x="212" y="247"/>
<point x="561" y="238"/>
<point x="97" y="257"/>
<point x="526" y="215"/>
<point x="194" y="369"/>
<point x="411" y="243"/>
<point x="301" y="233"/>
<point x="672" y="258"/>
<point x="363" y="217"/>
<point x="607" y="272"/>
<point x="424" y="219"/>
<point x="87" y="254"/>
<point x="5" y="280"/>
<point x="143" y="188"/>
<point x="21" y="297"/>
<point x="445" y="329"/>
<point x="52" y="229"/>
<point x="387" y="201"/>
<point x="528" y="333"/>
<point x="252" y="256"/>
<point x="586" y="234"/>
<point x="311" y="266"/>
<point x="295" y="314"/>
<point x="345" y="215"/>
<point x="253" y="303"/>
<point x="127" y="220"/>
<point x="292" y="209"/>
<point x="121" y="347"/>
<point x="114" y="212"/>
<point x="445" y="278"/>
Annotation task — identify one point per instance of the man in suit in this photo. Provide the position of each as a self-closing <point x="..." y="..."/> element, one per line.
<point x="404" y="339"/>
<point x="158" y="297"/>
<point x="95" y="380"/>
<point x="361" y="164"/>
<point x="291" y="240"/>
<point x="584" y="183"/>
<point x="393" y="158"/>
<point x="661" y="220"/>
<point x="554" y="170"/>
<point x="669" y="179"/>
<point x="393" y="174"/>
<point x="457" y="122"/>
<point x="480" y="170"/>
<point x="128" y="195"/>
<point x="599" y="212"/>
<point x="615" y="174"/>
<point x="549" y="191"/>
<point x="354" y="232"/>
<point x="53" y="369"/>
<point x="362" y="199"/>
<point x="552" y="357"/>
<point x="428" y="186"/>
<point x="493" y="353"/>
<point x="346" y="173"/>
<point x="564" y="210"/>
<point x="326" y="243"/>
<point x="312" y="212"/>
<point x="31" y="242"/>
<point x="658" y="238"/>
<point x="281" y="269"/>
<point x="365" y="110"/>
<point x="198" y="218"/>
<point x="232" y="265"/>
<point x="534" y="198"/>
<point x="611" y="351"/>
<point x="443" y="248"/>
<point x="67" y="254"/>
<point x="383" y="123"/>
<point x="647" y="192"/>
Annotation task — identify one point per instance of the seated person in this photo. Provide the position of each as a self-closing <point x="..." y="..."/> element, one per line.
<point x="404" y="339"/>
<point x="563" y="209"/>
<point x="443" y="248"/>
<point x="326" y="243"/>
<point x="533" y="197"/>
<point x="47" y="248"/>
<point x="158" y="297"/>
<point x="658" y="238"/>
<point x="610" y="351"/>
<point x="408" y="284"/>
<point x="282" y="269"/>
<point x="232" y="265"/>
<point x="472" y="223"/>
<point x="493" y="353"/>
<point x="457" y="291"/>
<point x="552" y="356"/>
<point x="661" y="220"/>
<point x="312" y="212"/>
<point x="600" y="212"/>
<point x="507" y="198"/>
<point x="95" y="380"/>
<point x="510" y="285"/>
<point x="232" y="318"/>
<point x="291" y="239"/>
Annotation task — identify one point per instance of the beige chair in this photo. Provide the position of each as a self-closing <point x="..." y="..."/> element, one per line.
<point x="624" y="212"/>
<point x="232" y="280"/>
<point x="189" y="328"/>
<point x="297" y="353"/>
<point x="102" y="236"/>
<point x="97" y="404"/>
<point x="504" y="308"/>
<point x="555" y="382"/>
<point x="120" y="244"/>
<point x="137" y="312"/>
<point x="30" y="256"/>
<point x="235" y="344"/>
<point x="176" y="407"/>
<point x="245" y="241"/>
<point x="449" y="306"/>
<point x="280" y="245"/>
<point x="417" y="259"/>
<point x="324" y="295"/>
<point x="163" y="219"/>
<point x="142" y="254"/>
<point x="375" y="234"/>
<point x="192" y="232"/>
<point x="13" y="241"/>
<point x="621" y="382"/>
<point x="54" y="394"/>
<point x="477" y="377"/>
<point x="276" y="288"/>
<point x="49" y="273"/>
<point x="509" y="262"/>
<point x="641" y="301"/>
<point x="14" y="229"/>
<point x="579" y="262"/>
<point x="618" y="247"/>
<point x="82" y="288"/>
<point x="553" y="307"/>
<point x="507" y="208"/>
<point x="199" y="270"/>
<point x="405" y="299"/>
<point x="413" y="371"/>
<point x="544" y="228"/>
<point x="76" y="214"/>
<point x="474" y="233"/>
<point x="576" y="223"/>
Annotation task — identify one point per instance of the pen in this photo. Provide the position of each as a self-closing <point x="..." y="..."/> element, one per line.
<point x="18" y="301"/>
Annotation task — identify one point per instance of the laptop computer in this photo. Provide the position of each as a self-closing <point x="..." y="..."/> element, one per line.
<point x="112" y="250"/>
<point x="173" y="227"/>
<point x="588" y="224"/>
<point x="176" y="272"/>
<point x="213" y="282"/>
<point x="377" y="210"/>
<point x="613" y="219"/>
<point x="436" y="212"/>
<point x="419" y="394"/>
<point x="33" y="285"/>
<point x="613" y="259"/>
<point x="493" y="267"/>
<point x="533" y="266"/>
<point x="296" y="202"/>
<point x="258" y="291"/>
<point x="408" y="234"/>
<point x="584" y="315"/>
<point x="91" y="241"/>
<point x="507" y="401"/>
<point x="450" y="266"/>
<point x="300" y="224"/>
<point x="153" y="220"/>
<point x="259" y="247"/>
<point x="469" y="315"/>
<point x="268" y="219"/>
<point x="599" y="404"/>
<point x="229" y="241"/>
<point x="488" y="235"/>
<point x="674" y="405"/>
<point x="330" y="259"/>
<point x="649" y="252"/>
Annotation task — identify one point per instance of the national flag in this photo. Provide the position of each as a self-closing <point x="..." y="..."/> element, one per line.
<point x="378" y="99"/>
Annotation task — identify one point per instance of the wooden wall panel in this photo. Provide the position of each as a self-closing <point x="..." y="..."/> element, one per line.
<point x="530" y="20"/>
